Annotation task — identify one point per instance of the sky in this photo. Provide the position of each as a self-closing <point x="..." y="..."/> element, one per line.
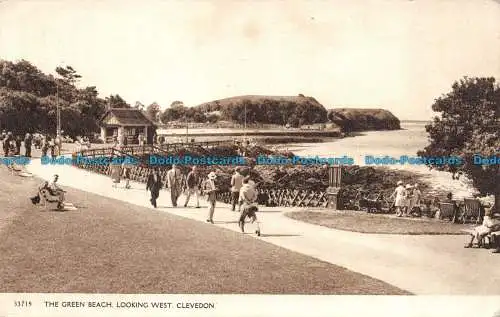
<point x="394" y="54"/>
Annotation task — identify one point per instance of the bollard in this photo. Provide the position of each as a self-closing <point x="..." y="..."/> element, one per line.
<point x="334" y="184"/>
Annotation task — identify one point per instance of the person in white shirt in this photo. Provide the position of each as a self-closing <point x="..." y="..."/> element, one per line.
<point x="174" y="182"/>
<point x="236" y="184"/>
<point x="491" y="222"/>
<point x="57" y="191"/>
<point x="399" y="202"/>
<point x="211" y="189"/>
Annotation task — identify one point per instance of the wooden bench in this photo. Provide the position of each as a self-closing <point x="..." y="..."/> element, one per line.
<point x="471" y="210"/>
<point x="493" y="238"/>
<point x="447" y="210"/>
<point x="47" y="200"/>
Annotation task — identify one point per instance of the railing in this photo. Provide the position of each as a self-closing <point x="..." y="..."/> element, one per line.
<point x="285" y="198"/>
<point x="139" y="150"/>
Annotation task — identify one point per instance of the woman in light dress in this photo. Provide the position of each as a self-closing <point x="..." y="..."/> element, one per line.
<point x="408" y="200"/>
<point x="116" y="171"/>
<point x="416" y="198"/>
<point x="399" y="195"/>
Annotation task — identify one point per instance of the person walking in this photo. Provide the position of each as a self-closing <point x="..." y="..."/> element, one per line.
<point x="27" y="145"/>
<point x="6" y="143"/>
<point x="45" y="146"/>
<point x="248" y="197"/>
<point x="52" y="147"/>
<point x="399" y="195"/>
<point x="193" y="186"/>
<point x="174" y="182"/>
<point x="211" y="189"/>
<point x="236" y="184"/>
<point x="19" y="143"/>
<point x="126" y="168"/>
<point x="154" y="184"/>
<point x="116" y="171"/>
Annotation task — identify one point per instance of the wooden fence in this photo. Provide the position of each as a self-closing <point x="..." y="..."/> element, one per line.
<point x="140" y="150"/>
<point x="285" y="198"/>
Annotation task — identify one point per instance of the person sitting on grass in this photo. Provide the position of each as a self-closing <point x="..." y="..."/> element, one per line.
<point x="430" y="207"/>
<point x="491" y="223"/>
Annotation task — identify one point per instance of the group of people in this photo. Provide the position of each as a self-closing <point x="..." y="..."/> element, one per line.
<point x="11" y="144"/>
<point x="407" y="199"/>
<point x="243" y="190"/>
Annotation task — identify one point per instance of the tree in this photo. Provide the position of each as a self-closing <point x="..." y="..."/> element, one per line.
<point x="152" y="111"/>
<point x="116" y="101"/>
<point x="212" y="118"/>
<point x="139" y="105"/>
<point x="468" y="125"/>
<point x="177" y="104"/>
<point x="68" y="74"/>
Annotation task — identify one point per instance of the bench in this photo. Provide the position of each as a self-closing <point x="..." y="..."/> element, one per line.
<point x="493" y="237"/>
<point x="447" y="210"/>
<point x="47" y="200"/>
<point x="471" y="210"/>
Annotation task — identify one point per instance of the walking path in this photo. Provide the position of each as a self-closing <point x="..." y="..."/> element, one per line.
<point x="430" y="265"/>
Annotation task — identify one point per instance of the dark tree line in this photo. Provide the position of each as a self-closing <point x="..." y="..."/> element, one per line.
<point x="29" y="100"/>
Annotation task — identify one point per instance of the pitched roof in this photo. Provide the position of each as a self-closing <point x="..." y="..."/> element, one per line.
<point x="127" y="116"/>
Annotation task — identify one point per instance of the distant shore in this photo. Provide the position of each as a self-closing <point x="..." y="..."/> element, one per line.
<point x="239" y="132"/>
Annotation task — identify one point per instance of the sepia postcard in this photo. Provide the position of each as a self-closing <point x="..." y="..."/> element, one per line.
<point x="250" y="158"/>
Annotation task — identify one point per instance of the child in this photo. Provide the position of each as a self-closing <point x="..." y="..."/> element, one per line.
<point x="490" y="223"/>
<point x="248" y="196"/>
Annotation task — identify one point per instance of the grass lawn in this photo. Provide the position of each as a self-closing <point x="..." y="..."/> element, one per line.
<point x="108" y="246"/>
<point x="363" y="222"/>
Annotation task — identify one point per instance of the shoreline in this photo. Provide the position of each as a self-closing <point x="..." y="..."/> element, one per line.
<point x="264" y="133"/>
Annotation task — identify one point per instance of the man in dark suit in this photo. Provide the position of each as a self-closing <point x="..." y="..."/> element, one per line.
<point x="154" y="184"/>
<point x="27" y="144"/>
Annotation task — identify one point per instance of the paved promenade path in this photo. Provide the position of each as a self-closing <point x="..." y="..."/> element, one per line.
<point x="430" y="265"/>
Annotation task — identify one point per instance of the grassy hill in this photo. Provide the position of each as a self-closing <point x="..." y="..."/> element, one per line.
<point x="256" y="98"/>
<point x="292" y="110"/>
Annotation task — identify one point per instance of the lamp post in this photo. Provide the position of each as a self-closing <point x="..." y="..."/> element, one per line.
<point x="58" y="128"/>
<point x="187" y="129"/>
